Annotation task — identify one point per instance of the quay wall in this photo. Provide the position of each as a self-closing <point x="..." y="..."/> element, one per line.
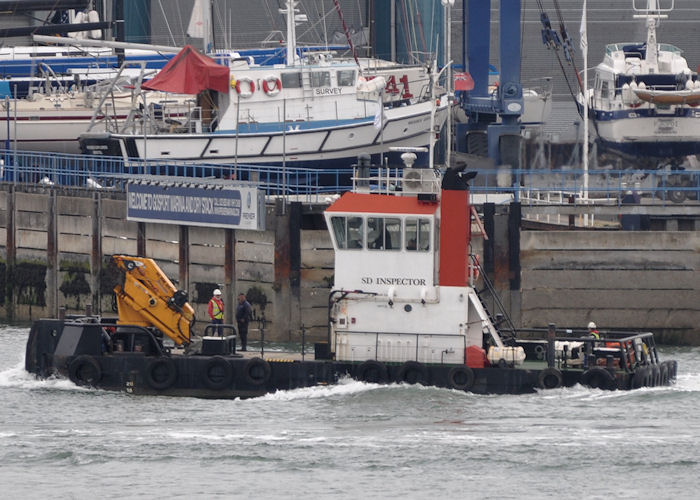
<point x="641" y="280"/>
<point x="55" y="248"/>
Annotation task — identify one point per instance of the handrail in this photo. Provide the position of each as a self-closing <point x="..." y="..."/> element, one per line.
<point x="606" y="186"/>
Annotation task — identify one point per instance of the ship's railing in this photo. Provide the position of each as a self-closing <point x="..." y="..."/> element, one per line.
<point x="529" y="187"/>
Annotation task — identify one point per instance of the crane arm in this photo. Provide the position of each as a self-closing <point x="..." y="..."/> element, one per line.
<point x="148" y="298"/>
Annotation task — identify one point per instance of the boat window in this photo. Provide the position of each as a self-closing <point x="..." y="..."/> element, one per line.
<point x="291" y="80"/>
<point x="355" y="232"/>
<point x="383" y="233"/>
<point x="346" y="78"/>
<point x="320" y="79"/>
<point x="604" y="90"/>
<point x="418" y="235"/>
<point x="348" y="231"/>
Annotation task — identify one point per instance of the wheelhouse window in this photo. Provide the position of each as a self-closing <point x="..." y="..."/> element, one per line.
<point x="348" y="232"/>
<point x="604" y="90"/>
<point x="346" y="78"/>
<point x="291" y="80"/>
<point x="417" y="234"/>
<point x="320" y="79"/>
<point x="383" y="233"/>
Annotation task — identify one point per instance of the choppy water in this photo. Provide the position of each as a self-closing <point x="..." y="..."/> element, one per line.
<point x="353" y="440"/>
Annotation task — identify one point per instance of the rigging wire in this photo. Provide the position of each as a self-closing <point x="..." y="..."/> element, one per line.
<point x="551" y="40"/>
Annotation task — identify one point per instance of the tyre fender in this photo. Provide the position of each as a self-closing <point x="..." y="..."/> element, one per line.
<point x="257" y="371"/>
<point x="656" y="376"/>
<point x="412" y="372"/>
<point x="550" y="378"/>
<point x="372" y="371"/>
<point x="218" y="373"/>
<point x="460" y="378"/>
<point x="161" y="373"/>
<point x="599" y="378"/>
<point x="84" y="370"/>
<point x="640" y="377"/>
<point x="663" y="374"/>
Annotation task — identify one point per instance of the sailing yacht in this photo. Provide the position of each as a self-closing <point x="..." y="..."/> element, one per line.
<point x="314" y="111"/>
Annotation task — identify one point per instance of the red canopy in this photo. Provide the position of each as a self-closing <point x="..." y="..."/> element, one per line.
<point x="190" y="72"/>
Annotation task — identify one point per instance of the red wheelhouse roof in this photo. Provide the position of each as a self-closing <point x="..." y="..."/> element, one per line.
<point x="382" y="204"/>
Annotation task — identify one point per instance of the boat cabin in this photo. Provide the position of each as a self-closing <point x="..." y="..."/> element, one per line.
<point x="401" y="289"/>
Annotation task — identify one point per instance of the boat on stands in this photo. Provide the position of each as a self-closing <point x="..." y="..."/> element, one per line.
<point x="645" y="97"/>
<point x="51" y="120"/>
<point x="407" y="306"/>
<point x="312" y="111"/>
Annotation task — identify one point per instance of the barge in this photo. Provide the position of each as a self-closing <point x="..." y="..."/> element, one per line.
<point x="407" y="306"/>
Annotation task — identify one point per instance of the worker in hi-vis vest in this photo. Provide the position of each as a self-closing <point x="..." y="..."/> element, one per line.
<point x="216" y="310"/>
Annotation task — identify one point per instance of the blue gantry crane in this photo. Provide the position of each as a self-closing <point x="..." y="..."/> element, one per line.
<point x="494" y="112"/>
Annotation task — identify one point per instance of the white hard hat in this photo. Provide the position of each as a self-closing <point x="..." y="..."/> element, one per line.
<point x="217" y="292"/>
<point x="590" y="325"/>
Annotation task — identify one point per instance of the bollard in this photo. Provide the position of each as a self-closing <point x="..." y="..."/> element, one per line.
<point x="61" y="313"/>
<point x="609" y="361"/>
<point x="88" y="309"/>
<point x="551" y="352"/>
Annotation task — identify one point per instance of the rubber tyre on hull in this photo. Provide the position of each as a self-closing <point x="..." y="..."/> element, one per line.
<point x="84" y="370"/>
<point x="655" y="375"/>
<point x="218" y="373"/>
<point x="161" y="373"/>
<point x="372" y="371"/>
<point x="412" y="372"/>
<point x="664" y="376"/>
<point x="599" y="378"/>
<point x="257" y="371"/>
<point x="460" y="378"/>
<point x="672" y="369"/>
<point x="640" y="377"/>
<point x="550" y="378"/>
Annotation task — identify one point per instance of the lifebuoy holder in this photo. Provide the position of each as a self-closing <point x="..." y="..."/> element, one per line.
<point x="271" y="85"/>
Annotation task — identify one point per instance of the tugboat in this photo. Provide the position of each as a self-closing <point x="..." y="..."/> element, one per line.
<point x="404" y="308"/>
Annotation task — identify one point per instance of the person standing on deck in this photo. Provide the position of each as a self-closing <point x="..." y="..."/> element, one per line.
<point x="244" y="313"/>
<point x="216" y="310"/>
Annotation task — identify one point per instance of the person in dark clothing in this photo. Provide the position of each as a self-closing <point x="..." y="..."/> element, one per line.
<point x="244" y="313"/>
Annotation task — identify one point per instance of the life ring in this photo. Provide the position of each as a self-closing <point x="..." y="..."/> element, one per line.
<point x="243" y="92"/>
<point x="550" y="378"/>
<point x="474" y="267"/>
<point x="460" y="378"/>
<point x="412" y="372"/>
<point x="161" y="373"/>
<point x="271" y="85"/>
<point x="372" y="371"/>
<point x="257" y="371"/>
<point x="640" y="377"/>
<point x="84" y="370"/>
<point x="218" y="373"/>
<point x="599" y="378"/>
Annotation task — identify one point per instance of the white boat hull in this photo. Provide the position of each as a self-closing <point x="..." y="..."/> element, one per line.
<point x="402" y="126"/>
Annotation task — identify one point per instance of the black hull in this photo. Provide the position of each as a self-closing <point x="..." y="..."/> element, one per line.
<point x="75" y="351"/>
